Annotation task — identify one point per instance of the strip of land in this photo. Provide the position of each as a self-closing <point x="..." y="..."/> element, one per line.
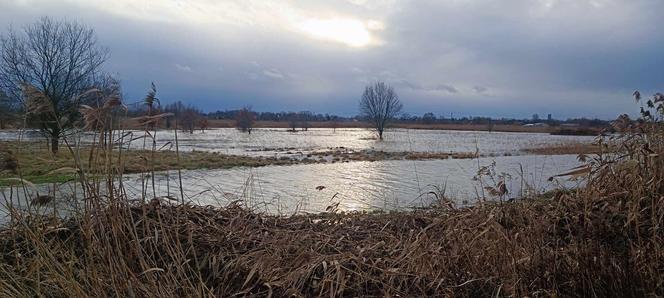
<point x="565" y="148"/>
<point x="226" y="123"/>
<point x="34" y="163"/>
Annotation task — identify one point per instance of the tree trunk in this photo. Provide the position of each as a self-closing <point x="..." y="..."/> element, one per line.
<point x="380" y="134"/>
<point x="55" y="143"/>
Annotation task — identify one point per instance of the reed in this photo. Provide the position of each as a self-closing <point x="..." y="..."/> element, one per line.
<point x="604" y="238"/>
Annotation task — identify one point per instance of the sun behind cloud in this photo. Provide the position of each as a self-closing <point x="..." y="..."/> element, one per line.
<point x="350" y="32"/>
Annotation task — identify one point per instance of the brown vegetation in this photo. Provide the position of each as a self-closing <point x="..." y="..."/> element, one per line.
<point x="603" y="239"/>
<point x="38" y="164"/>
<point x="343" y="154"/>
<point x="565" y="148"/>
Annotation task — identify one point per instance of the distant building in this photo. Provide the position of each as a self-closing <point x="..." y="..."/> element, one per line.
<point x="548" y="117"/>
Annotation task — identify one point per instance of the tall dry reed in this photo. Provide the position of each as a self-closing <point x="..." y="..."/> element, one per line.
<point x="602" y="239"/>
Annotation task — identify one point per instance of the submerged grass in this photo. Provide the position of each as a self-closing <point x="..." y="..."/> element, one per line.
<point x="565" y="148"/>
<point x="37" y="164"/>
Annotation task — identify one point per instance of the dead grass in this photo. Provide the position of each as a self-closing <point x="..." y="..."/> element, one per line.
<point x="37" y="163"/>
<point x="564" y="148"/>
<point x="344" y="155"/>
<point x="603" y="239"/>
<point x="568" y="245"/>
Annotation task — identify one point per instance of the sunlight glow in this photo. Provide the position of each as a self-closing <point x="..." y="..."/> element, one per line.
<point x="347" y="31"/>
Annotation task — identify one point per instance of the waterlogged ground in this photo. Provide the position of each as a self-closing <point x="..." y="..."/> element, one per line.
<point x="355" y="185"/>
<point x="281" y="141"/>
<point x="360" y="185"/>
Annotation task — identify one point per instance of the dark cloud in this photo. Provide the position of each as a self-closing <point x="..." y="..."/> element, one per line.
<point x="480" y="89"/>
<point x="418" y="87"/>
<point x="586" y="56"/>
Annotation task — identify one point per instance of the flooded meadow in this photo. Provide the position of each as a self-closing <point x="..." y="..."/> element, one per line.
<point x="344" y="184"/>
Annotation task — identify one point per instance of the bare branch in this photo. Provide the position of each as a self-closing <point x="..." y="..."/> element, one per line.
<point x="60" y="60"/>
<point x="380" y="104"/>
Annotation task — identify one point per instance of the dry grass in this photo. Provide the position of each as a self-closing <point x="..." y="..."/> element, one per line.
<point x="565" y="148"/>
<point x="344" y="155"/>
<point x="569" y="245"/>
<point x="605" y="238"/>
<point x="37" y="163"/>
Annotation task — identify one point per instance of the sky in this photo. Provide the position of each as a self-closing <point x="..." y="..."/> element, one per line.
<point x="497" y="58"/>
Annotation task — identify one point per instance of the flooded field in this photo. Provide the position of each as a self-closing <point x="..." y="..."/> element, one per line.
<point x="360" y="185"/>
<point x="386" y="185"/>
<point x="280" y="141"/>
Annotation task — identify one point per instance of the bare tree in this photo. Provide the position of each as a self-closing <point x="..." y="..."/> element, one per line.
<point x="293" y="120"/>
<point x="6" y="110"/>
<point x="189" y="116"/>
<point x="380" y="104"/>
<point x="304" y="119"/>
<point x="245" y="120"/>
<point x="186" y="116"/>
<point x="203" y="123"/>
<point x="60" y="59"/>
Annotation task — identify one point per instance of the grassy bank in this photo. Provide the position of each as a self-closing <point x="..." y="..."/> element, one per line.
<point x="567" y="148"/>
<point x="37" y="164"/>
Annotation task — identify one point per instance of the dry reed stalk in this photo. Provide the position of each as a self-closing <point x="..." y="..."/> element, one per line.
<point x="602" y="239"/>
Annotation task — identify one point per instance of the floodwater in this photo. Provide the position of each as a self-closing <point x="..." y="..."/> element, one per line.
<point x="362" y="185"/>
<point x="276" y="141"/>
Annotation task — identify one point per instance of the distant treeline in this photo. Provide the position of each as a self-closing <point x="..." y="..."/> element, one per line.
<point x="426" y="118"/>
<point x="189" y="116"/>
<point x="279" y="116"/>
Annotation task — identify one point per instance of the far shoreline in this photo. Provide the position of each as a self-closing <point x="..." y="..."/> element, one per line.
<point x="227" y="123"/>
<point x="132" y="124"/>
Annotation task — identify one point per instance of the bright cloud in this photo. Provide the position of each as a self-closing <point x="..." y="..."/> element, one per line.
<point x="347" y="31"/>
<point x="471" y="57"/>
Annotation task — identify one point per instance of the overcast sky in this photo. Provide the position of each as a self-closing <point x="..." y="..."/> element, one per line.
<point x="500" y="58"/>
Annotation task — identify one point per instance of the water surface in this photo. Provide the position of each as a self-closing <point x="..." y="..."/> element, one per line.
<point x="389" y="184"/>
<point x="279" y="141"/>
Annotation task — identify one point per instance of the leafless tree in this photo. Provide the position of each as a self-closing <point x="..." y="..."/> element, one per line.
<point x="189" y="116"/>
<point x="6" y="110"/>
<point x="293" y="120"/>
<point x="245" y="120"/>
<point x="203" y="123"/>
<point x="61" y="60"/>
<point x="304" y="119"/>
<point x="380" y="104"/>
